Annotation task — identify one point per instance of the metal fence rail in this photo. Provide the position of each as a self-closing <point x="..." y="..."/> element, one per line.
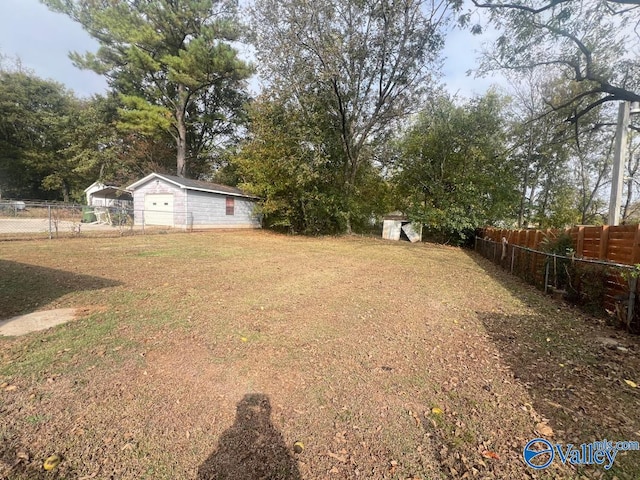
<point x="21" y="220"/>
<point x="596" y="286"/>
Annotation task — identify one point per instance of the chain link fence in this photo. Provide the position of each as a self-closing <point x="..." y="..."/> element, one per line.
<point x="596" y="286"/>
<point x="29" y="220"/>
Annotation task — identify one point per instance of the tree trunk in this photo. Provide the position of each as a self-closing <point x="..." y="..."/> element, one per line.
<point x="523" y="197"/>
<point x="181" y="140"/>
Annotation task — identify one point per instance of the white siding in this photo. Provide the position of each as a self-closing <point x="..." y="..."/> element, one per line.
<point x="195" y="209"/>
<point x="155" y="186"/>
<point x="208" y="210"/>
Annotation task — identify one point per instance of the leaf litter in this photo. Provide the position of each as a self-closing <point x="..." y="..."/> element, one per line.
<point x="341" y="349"/>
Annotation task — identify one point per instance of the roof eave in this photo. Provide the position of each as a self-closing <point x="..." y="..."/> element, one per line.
<point x="149" y="177"/>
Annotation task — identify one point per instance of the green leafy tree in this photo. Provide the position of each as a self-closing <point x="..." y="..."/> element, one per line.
<point x="290" y="163"/>
<point x="359" y="67"/>
<point x="452" y="173"/>
<point x="173" y="64"/>
<point x="563" y="166"/>
<point x="538" y="141"/>
<point x="38" y="120"/>
<point x="100" y="150"/>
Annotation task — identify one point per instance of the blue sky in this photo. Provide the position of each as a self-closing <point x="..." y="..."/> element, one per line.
<point x="42" y="40"/>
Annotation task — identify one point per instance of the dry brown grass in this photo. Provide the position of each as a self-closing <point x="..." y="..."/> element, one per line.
<point x="208" y="355"/>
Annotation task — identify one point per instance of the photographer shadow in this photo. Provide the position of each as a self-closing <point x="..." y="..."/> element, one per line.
<point x="252" y="448"/>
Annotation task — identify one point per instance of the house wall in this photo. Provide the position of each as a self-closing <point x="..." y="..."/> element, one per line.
<point x="194" y="209"/>
<point x="93" y="188"/>
<point x="156" y="185"/>
<point x="208" y="210"/>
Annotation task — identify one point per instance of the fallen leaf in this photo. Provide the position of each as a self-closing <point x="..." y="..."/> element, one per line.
<point x="10" y="388"/>
<point x="415" y="417"/>
<point x="631" y="384"/>
<point x="244" y="339"/>
<point x="544" y="429"/>
<point x="437" y="411"/>
<point x="489" y="454"/>
<point x="340" y="458"/>
<point x="52" y="462"/>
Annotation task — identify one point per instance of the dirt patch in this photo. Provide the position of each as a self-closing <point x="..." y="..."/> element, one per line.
<point x="36" y="321"/>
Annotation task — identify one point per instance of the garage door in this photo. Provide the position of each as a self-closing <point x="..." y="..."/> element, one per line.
<point x="158" y="209"/>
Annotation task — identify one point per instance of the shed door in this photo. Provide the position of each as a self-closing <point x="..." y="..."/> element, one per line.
<point x="158" y="209"/>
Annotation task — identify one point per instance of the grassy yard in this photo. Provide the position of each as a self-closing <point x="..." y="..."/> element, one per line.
<point x="208" y="355"/>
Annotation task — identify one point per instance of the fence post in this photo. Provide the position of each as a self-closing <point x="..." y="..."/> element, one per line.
<point x="633" y="286"/>
<point x="50" y="233"/>
<point x="513" y="257"/>
<point x="546" y="273"/>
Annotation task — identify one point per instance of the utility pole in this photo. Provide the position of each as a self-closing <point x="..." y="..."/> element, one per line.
<point x="619" y="157"/>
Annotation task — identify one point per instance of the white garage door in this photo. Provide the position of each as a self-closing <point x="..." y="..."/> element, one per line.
<point x="158" y="209"/>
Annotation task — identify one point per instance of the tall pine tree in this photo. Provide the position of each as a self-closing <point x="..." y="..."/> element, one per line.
<point x="173" y="64"/>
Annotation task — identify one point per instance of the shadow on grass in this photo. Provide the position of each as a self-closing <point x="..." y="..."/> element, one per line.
<point x="574" y="368"/>
<point x="251" y="448"/>
<point x="25" y="288"/>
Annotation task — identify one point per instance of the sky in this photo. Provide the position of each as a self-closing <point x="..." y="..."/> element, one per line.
<point x="42" y="40"/>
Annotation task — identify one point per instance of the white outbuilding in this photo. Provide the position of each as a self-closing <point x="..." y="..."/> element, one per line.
<point x="397" y="226"/>
<point x="166" y="200"/>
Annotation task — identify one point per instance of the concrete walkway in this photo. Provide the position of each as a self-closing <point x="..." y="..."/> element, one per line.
<point x="36" y="321"/>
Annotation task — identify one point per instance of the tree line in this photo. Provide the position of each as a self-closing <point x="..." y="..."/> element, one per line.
<point x="352" y="120"/>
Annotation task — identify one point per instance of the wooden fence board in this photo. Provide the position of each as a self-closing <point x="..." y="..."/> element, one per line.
<point x="616" y="244"/>
<point x="620" y="244"/>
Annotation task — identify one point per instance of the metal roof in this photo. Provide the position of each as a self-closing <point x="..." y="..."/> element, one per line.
<point x="114" y="193"/>
<point x="397" y="215"/>
<point x="189" y="184"/>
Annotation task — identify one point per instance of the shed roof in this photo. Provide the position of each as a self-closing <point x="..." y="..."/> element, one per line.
<point x="94" y="184"/>
<point x="114" y="193"/>
<point x="397" y="215"/>
<point x="189" y="184"/>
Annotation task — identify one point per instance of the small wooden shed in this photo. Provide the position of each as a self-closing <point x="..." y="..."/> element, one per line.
<point x="397" y="226"/>
<point x="166" y="200"/>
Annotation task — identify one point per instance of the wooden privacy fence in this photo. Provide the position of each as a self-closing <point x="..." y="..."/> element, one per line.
<point x="599" y="276"/>
<point x="619" y="244"/>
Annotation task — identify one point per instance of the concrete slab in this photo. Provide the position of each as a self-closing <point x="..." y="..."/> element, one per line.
<point x="36" y="321"/>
